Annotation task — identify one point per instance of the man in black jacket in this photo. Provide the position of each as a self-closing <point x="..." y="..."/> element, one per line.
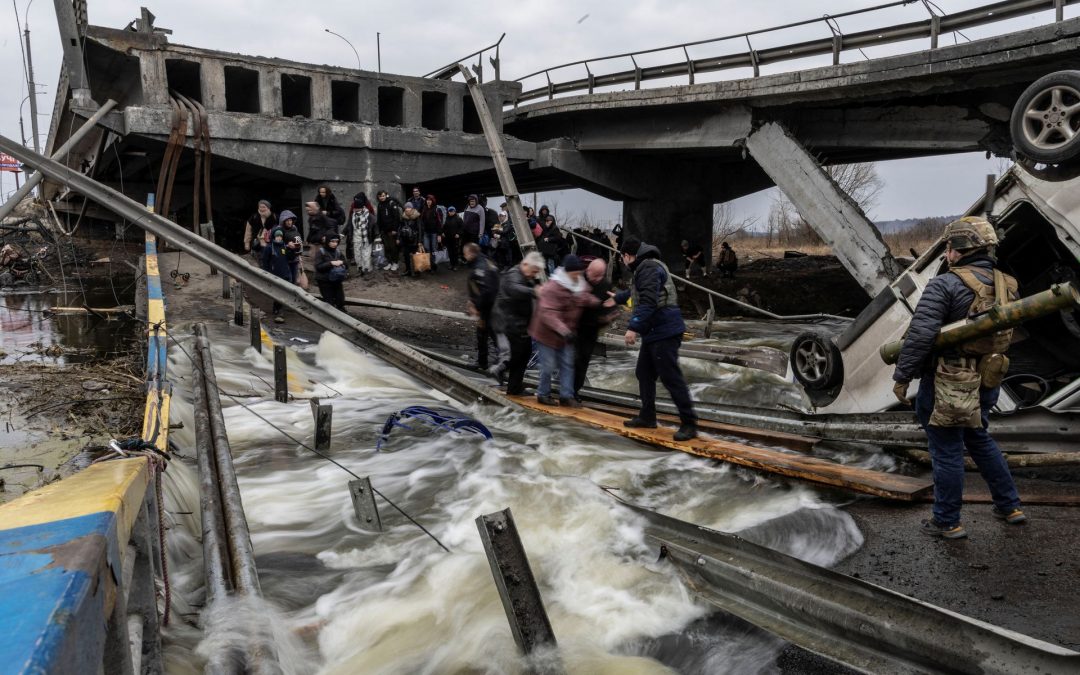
<point x="592" y="320"/>
<point x="958" y="386"/>
<point x="483" y="286"/>
<point x="387" y="221"/>
<point x="452" y="232"/>
<point x="510" y="320"/>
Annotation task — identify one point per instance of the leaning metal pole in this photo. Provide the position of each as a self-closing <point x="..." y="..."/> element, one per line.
<point x="502" y="164"/>
<point x="33" y="179"/>
<point x="394" y="352"/>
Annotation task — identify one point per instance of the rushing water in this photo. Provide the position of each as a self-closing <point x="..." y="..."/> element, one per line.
<point x="341" y="599"/>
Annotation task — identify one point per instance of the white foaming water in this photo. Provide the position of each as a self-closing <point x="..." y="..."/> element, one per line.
<point x="342" y="599"/>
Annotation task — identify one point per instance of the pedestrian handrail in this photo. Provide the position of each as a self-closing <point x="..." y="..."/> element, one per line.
<point x="725" y="298"/>
<point x="835" y="43"/>
<point x="448" y="71"/>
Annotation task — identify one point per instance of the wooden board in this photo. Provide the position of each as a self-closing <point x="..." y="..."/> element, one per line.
<point x="813" y="469"/>
<point x="790" y="441"/>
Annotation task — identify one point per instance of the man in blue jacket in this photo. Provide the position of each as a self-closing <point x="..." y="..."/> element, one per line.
<point x="659" y="323"/>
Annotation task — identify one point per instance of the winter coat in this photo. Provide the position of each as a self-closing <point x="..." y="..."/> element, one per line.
<point x="656" y="314"/>
<point x="453" y="226"/>
<point x="319" y="227"/>
<point x="388" y="216"/>
<point x="514" y="303"/>
<point x="596" y="316"/>
<point x="550" y="243"/>
<point x="292" y="235"/>
<point x="944" y="300"/>
<point x="483" y="284"/>
<point x="431" y="218"/>
<point x="473" y="218"/>
<point x="323" y="259"/>
<point x="275" y="260"/>
<point x="409" y="232"/>
<point x="561" y="301"/>
<point x="255" y="226"/>
<point x="333" y="209"/>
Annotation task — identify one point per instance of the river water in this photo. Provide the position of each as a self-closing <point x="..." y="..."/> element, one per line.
<point x="342" y="599"/>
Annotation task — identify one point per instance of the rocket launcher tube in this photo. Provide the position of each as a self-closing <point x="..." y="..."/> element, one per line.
<point x="1009" y="315"/>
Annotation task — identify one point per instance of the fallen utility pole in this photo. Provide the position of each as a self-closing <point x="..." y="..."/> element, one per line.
<point x="33" y="179"/>
<point x="867" y="627"/>
<point x="392" y="351"/>
<point x="502" y="165"/>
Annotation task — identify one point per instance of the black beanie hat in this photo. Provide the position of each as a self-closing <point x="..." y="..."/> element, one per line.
<point x="630" y="245"/>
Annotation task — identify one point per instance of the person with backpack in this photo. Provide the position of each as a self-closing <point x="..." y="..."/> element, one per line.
<point x="958" y="386"/>
<point x="258" y="228"/>
<point x="331" y="270"/>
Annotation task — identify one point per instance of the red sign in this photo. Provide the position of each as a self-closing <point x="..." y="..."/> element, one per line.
<point x="9" y="163"/>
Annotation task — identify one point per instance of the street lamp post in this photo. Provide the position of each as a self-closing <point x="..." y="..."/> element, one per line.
<point x="350" y="47"/>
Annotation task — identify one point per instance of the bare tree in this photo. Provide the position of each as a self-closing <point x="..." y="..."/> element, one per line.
<point x="726" y="225"/>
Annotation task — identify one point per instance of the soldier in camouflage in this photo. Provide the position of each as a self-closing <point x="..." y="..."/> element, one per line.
<point x="958" y="386"/>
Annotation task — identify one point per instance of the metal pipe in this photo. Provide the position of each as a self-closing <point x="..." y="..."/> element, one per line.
<point x="33" y="179"/>
<point x="244" y="574"/>
<point x="33" y="91"/>
<point x="213" y="526"/>
<point x="392" y="351"/>
<point x="1001" y="317"/>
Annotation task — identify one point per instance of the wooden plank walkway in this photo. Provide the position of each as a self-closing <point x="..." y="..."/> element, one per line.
<point x="813" y="469"/>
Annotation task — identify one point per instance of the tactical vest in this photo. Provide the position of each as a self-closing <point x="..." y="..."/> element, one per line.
<point x="987" y="296"/>
<point x="666" y="297"/>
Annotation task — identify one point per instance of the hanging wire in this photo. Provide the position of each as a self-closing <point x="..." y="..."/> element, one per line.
<point x="304" y="445"/>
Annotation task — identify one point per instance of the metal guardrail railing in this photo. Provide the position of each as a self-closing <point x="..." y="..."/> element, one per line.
<point x="448" y="71"/>
<point x="835" y="43"/>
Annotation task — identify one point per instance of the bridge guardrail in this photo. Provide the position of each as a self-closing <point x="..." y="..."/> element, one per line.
<point x="836" y="43"/>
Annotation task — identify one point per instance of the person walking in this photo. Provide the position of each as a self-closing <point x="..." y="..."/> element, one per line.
<point x="363" y="232"/>
<point x="329" y="207"/>
<point x="483" y="288"/>
<point x="294" y="243"/>
<point x="959" y="385"/>
<point x="592" y="320"/>
<point x="473" y="220"/>
<point x="554" y="327"/>
<point x="331" y="270"/>
<point x="275" y="260"/>
<point x="258" y="228"/>
<point x="656" y="319"/>
<point x="510" y="321"/>
<point x="320" y="225"/>
<point x="550" y="242"/>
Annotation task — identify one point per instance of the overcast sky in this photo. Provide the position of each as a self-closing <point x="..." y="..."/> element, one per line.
<point x="418" y="37"/>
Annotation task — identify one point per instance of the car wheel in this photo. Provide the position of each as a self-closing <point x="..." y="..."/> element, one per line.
<point x="816" y="362"/>
<point x="1045" y="123"/>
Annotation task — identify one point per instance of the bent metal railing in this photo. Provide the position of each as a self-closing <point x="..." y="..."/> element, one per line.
<point x="835" y="43"/>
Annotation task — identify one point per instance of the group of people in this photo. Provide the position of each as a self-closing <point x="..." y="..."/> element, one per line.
<point x="563" y="318"/>
<point x="408" y="238"/>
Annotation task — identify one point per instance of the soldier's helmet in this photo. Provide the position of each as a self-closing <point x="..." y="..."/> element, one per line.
<point x="970" y="232"/>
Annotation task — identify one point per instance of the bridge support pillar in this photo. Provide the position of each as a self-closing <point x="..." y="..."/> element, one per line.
<point x="825" y="207"/>
<point x="664" y="222"/>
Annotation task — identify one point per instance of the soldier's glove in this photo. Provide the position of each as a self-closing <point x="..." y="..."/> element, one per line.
<point x="900" y="390"/>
